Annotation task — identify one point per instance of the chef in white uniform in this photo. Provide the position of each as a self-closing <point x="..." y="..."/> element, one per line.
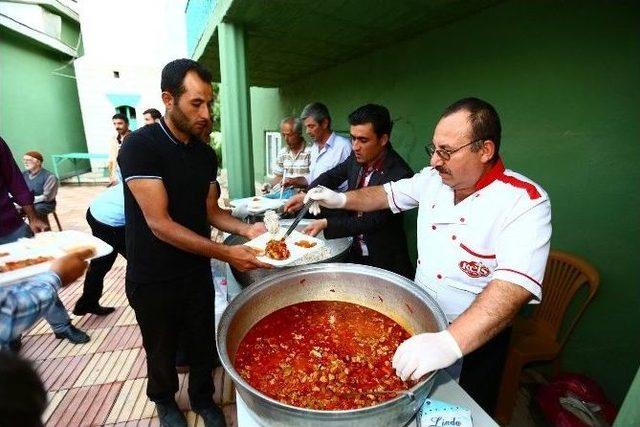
<point x="483" y="241"/>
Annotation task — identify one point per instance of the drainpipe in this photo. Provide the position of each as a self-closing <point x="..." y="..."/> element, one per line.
<point x="235" y="111"/>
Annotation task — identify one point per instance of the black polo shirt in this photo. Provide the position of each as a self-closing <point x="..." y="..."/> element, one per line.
<point x="187" y="171"/>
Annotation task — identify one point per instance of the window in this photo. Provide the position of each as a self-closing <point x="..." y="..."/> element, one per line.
<point x="116" y="74"/>
<point x="272" y="140"/>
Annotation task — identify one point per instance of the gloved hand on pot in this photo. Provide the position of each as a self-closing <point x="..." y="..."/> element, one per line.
<point x="323" y="196"/>
<point x="424" y="353"/>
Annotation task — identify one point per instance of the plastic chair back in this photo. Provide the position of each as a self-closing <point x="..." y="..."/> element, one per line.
<point x="565" y="275"/>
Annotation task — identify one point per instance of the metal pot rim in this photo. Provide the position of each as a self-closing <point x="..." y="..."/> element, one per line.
<point x="249" y="292"/>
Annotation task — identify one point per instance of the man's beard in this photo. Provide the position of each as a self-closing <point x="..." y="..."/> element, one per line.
<point x="180" y="120"/>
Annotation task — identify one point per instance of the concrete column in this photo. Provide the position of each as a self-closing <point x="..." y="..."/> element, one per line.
<point x="235" y="111"/>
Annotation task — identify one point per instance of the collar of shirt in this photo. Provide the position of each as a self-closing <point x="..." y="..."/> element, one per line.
<point x="496" y="171"/>
<point x="295" y="156"/>
<point x="173" y="138"/>
<point x="33" y="176"/>
<point x="376" y="165"/>
<point x="328" y="142"/>
<point x="367" y="170"/>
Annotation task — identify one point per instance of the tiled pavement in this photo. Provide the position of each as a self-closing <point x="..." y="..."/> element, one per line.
<point x="101" y="382"/>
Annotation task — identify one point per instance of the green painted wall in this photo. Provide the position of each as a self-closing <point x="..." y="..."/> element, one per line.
<point x="565" y="77"/>
<point x="266" y="113"/>
<point x="629" y="414"/>
<point x="39" y="110"/>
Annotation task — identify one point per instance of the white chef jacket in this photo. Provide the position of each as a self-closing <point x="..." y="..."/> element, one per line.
<point x="335" y="151"/>
<point x="501" y="231"/>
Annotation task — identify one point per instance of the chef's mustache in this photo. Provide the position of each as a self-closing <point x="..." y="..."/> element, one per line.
<point x="442" y="169"/>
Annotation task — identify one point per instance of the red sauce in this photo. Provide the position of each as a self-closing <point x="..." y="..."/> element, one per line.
<point x="326" y="355"/>
<point x="277" y="249"/>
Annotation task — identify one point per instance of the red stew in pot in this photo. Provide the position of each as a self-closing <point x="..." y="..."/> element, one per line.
<point x="326" y="355"/>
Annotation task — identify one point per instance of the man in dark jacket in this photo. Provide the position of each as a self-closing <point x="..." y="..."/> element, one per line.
<point x="379" y="237"/>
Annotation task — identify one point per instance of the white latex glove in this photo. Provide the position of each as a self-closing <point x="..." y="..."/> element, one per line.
<point x="324" y="197"/>
<point x="424" y="353"/>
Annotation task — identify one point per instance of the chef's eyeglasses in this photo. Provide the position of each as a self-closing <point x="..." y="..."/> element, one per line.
<point x="445" y="154"/>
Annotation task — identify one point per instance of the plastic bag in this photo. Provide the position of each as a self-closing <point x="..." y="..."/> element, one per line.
<point x="574" y="400"/>
<point x="218" y="272"/>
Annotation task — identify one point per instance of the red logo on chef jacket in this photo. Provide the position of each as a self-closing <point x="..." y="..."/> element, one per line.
<point x="474" y="269"/>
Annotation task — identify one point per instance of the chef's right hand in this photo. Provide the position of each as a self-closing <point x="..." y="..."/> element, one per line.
<point x="243" y="258"/>
<point x="325" y="197"/>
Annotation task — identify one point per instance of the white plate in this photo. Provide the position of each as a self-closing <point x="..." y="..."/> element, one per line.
<point x="51" y="243"/>
<point x="258" y="204"/>
<point x="296" y="251"/>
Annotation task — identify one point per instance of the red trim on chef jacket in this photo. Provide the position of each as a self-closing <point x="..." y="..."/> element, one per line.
<point x="497" y="172"/>
<point x="531" y="189"/>
<point x="522" y="274"/>
<point x="466" y="248"/>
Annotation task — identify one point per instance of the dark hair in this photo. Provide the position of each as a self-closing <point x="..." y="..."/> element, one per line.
<point x="377" y="115"/>
<point x="484" y="120"/>
<point x="155" y="114"/>
<point x="173" y="74"/>
<point x="317" y="111"/>
<point x="22" y="395"/>
<point x="120" y="116"/>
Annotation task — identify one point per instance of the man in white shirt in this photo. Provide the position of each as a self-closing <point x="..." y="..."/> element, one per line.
<point x="121" y="126"/>
<point x="328" y="150"/>
<point x="483" y="241"/>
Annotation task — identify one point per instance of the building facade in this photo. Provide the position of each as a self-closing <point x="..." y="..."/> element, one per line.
<point x="40" y="109"/>
<point x="126" y="45"/>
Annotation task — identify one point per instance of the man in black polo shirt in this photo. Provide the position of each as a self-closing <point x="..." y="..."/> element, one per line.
<point x="170" y="202"/>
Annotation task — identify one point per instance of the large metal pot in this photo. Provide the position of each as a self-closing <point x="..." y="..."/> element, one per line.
<point x="338" y="251"/>
<point x="383" y="291"/>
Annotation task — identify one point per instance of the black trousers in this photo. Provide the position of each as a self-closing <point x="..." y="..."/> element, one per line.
<point x="99" y="267"/>
<point x="482" y="371"/>
<point x="169" y="314"/>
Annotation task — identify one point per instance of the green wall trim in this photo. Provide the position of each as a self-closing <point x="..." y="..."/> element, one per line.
<point x="235" y="111"/>
<point x="219" y="11"/>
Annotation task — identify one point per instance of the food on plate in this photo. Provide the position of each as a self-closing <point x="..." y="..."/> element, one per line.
<point x="22" y="263"/>
<point x="277" y="249"/>
<point x="305" y="244"/>
<point x="4" y="254"/>
<point x="272" y="222"/>
<point x="326" y="355"/>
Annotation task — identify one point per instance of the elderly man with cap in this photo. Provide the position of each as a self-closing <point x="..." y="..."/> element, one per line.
<point x="42" y="183"/>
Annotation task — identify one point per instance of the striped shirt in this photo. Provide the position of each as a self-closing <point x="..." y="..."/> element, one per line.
<point x="23" y="304"/>
<point x="295" y="165"/>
